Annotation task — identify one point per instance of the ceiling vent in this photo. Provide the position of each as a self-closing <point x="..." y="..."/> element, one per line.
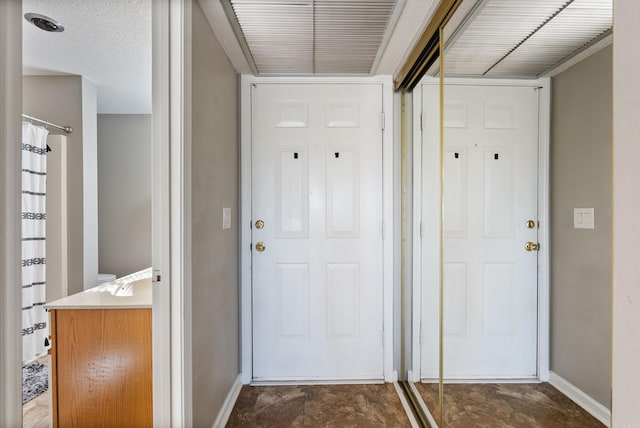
<point x="44" y="23"/>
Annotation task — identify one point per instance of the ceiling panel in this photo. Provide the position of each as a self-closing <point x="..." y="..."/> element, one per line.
<point x="348" y="34"/>
<point x="278" y="34"/>
<point x="498" y="26"/>
<point x="524" y="38"/>
<point x="313" y="36"/>
<point x="498" y="38"/>
<point x="576" y="26"/>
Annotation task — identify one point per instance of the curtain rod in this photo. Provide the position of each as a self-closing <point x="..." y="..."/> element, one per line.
<point x="66" y="129"/>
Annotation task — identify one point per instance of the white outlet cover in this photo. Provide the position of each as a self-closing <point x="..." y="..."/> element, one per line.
<point x="583" y="218"/>
<point x="226" y="218"/>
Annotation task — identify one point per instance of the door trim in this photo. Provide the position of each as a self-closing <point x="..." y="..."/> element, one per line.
<point x="544" y="112"/>
<point x="246" y="81"/>
<point x="171" y="215"/>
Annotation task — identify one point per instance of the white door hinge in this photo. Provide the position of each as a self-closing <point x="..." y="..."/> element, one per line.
<point x="382" y="229"/>
<point x="382" y="337"/>
<point x="421" y="229"/>
<point x="421" y="121"/>
<point x="157" y="276"/>
<point x="421" y="336"/>
<point x="382" y="121"/>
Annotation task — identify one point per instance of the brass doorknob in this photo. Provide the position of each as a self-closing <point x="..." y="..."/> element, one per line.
<point x="260" y="247"/>
<point x="532" y="246"/>
<point x="531" y="224"/>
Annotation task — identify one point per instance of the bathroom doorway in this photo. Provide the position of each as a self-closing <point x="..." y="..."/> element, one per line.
<point x="95" y="76"/>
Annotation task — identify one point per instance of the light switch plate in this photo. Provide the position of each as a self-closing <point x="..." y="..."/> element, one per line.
<point x="583" y="218"/>
<point x="226" y="218"/>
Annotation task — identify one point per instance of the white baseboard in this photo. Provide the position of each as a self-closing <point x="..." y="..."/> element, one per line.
<point x="583" y="400"/>
<point x="316" y="382"/>
<point x="229" y="402"/>
<point x="449" y="381"/>
<point x="413" y="376"/>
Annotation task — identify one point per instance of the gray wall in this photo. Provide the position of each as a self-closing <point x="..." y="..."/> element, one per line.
<point x="124" y="192"/>
<point x="581" y="177"/>
<point x="215" y="160"/>
<point x="57" y="224"/>
<point x="89" y="183"/>
<point x="626" y="235"/>
<point x="64" y="100"/>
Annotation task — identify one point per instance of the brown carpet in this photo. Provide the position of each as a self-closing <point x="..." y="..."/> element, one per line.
<point x="318" y="406"/>
<point x="505" y="405"/>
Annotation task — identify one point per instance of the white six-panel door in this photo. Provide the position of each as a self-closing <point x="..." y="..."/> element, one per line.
<point x="490" y="193"/>
<point x="317" y="197"/>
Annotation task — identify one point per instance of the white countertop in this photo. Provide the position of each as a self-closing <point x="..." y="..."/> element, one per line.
<point x="129" y="292"/>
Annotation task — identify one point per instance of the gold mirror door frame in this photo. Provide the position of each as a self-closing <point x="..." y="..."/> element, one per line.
<point x="428" y="49"/>
<point x="441" y="261"/>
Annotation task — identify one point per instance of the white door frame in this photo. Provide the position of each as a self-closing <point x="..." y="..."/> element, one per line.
<point x="544" y="111"/>
<point x="171" y="208"/>
<point x="245" y="229"/>
<point x="171" y="193"/>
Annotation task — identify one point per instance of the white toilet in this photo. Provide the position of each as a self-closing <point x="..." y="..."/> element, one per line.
<point x="105" y="277"/>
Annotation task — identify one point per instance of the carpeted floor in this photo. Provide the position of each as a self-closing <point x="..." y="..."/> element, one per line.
<point x="35" y="380"/>
<point x="505" y="405"/>
<point x="319" y="406"/>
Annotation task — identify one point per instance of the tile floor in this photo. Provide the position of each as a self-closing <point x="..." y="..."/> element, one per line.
<point x="36" y="413"/>
<point x="505" y="406"/>
<point x="467" y="406"/>
<point x="319" y="406"/>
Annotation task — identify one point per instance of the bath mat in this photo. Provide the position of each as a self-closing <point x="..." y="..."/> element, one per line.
<point x="35" y="380"/>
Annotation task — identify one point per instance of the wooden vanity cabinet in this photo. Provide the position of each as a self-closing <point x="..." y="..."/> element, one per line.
<point x="101" y="367"/>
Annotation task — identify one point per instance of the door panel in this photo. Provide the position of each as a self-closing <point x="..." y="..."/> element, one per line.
<point x="317" y="186"/>
<point x="489" y="191"/>
<point x="343" y="308"/>
<point x="292" y="300"/>
<point x="455" y="191"/>
<point x="499" y="193"/>
<point x="343" y="192"/>
<point x="291" y="192"/>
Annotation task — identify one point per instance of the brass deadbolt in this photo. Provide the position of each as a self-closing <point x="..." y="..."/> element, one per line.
<point x="260" y="247"/>
<point x="259" y="224"/>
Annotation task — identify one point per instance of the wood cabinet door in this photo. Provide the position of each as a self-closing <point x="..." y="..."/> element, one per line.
<point x="102" y="368"/>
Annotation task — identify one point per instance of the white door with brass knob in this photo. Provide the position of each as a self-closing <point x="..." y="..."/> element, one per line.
<point x="316" y="231"/>
<point x="490" y="232"/>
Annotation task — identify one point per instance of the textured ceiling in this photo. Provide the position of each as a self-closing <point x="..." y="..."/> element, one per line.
<point x="108" y="42"/>
<point x="313" y="36"/>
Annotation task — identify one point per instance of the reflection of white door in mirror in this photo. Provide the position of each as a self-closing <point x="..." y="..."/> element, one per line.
<point x="490" y="178"/>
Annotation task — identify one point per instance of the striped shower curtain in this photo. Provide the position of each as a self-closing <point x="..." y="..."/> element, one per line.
<point x="34" y="179"/>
